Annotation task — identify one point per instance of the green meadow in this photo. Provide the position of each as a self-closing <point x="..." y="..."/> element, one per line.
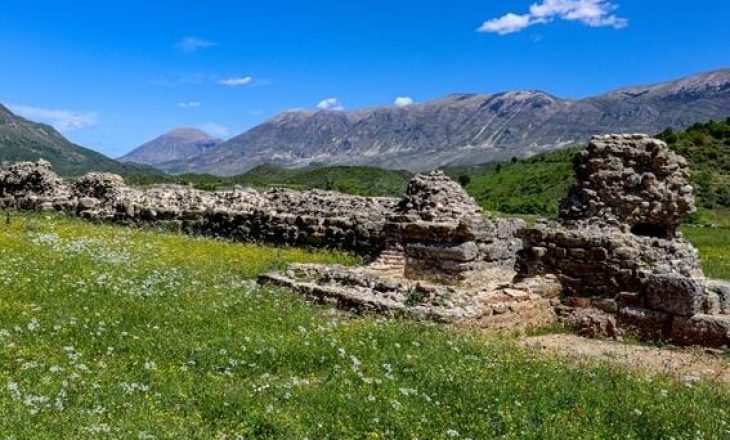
<point x="110" y="332"/>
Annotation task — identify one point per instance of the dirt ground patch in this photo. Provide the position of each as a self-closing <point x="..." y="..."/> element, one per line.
<point x="686" y="364"/>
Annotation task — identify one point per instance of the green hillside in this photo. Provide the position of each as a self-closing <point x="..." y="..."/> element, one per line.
<point x="359" y="180"/>
<point x="23" y="140"/>
<point x="707" y="147"/>
<point x="528" y="186"/>
<point x="536" y="185"/>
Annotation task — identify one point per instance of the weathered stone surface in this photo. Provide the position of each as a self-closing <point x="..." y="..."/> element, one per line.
<point x="675" y="294"/>
<point x="643" y="322"/>
<point x="631" y="180"/>
<point x="589" y="322"/>
<point x="593" y="260"/>
<point x="722" y="289"/>
<point x="706" y="330"/>
<point x="616" y="251"/>
<point x="434" y="197"/>
<point x="31" y="185"/>
<point x="467" y="251"/>
<point x="445" y="235"/>
<point x="493" y="305"/>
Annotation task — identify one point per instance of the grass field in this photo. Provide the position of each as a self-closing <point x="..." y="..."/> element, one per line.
<point x="109" y="332"/>
<point x="714" y="246"/>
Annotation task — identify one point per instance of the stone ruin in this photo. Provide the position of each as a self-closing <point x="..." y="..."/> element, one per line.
<point x="613" y="263"/>
<point x="617" y="253"/>
<point x="32" y="186"/>
<point x="433" y="254"/>
<point x="443" y="234"/>
<point x="282" y="217"/>
<point x="444" y="259"/>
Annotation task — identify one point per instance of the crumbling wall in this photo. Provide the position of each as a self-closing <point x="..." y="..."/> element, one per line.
<point x="444" y="234"/>
<point x="285" y="217"/>
<point x="31" y="186"/>
<point x="630" y="181"/>
<point x="441" y="229"/>
<point x="616" y="250"/>
<point x="444" y="260"/>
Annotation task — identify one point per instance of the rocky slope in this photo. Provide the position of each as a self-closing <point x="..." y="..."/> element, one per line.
<point x="24" y="140"/>
<point x="177" y="144"/>
<point x="463" y="129"/>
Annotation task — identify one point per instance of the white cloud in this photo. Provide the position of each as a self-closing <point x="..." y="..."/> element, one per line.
<point x="594" y="13"/>
<point x="330" y="104"/>
<point x="61" y="120"/>
<point x="235" y="81"/>
<point x="506" y="24"/>
<point x="192" y="44"/>
<point x="215" y="129"/>
<point x="188" y="104"/>
<point x="403" y="101"/>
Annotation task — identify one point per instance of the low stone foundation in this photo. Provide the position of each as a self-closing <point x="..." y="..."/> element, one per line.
<point x="494" y="303"/>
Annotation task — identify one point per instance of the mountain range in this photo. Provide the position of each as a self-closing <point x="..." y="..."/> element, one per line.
<point x="461" y="128"/>
<point x="454" y="130"/>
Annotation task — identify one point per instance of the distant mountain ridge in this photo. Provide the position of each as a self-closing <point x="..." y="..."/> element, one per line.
<point x="177" y="144"/>
<point x="24" y="140"/>
<point x="463" y="128"/>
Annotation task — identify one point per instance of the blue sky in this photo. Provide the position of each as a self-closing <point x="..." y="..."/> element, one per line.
<point x="114" y="74"/>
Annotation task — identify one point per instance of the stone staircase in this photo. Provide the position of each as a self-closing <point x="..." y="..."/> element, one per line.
<point x="390" y="261"/>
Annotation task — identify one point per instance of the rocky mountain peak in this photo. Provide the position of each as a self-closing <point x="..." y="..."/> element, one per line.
<point x="188" y="133"/>
<point x="177" y="144"/>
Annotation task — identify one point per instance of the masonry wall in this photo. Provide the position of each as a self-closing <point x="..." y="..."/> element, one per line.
<point x="282" y="217"/>
<point x="617" y="253"/>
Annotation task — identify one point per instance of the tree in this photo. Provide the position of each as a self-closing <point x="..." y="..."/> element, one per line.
<point x="723" y="196"/>
<point x="464" y="180"/>
<point x="668" y="136"/>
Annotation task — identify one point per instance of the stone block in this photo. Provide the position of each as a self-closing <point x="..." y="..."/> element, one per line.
<point x="722" y="289"/>
<point x="644" y="322"/>
<point x="674" y="294"/>
<point x="705" y="330"/>
<point x="460" y="252"/>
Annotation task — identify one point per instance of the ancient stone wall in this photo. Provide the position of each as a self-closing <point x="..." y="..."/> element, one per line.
<point x="444" y="234"/>
<point x="616" y="250"/>
<point x="310" y="218"/>
<point x="437" y="255"/>
<point x="630" y="181"/>
<point x="444" y="260"/>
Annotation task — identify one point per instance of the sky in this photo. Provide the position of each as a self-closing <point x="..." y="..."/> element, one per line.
<point x="111" y="75"/>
